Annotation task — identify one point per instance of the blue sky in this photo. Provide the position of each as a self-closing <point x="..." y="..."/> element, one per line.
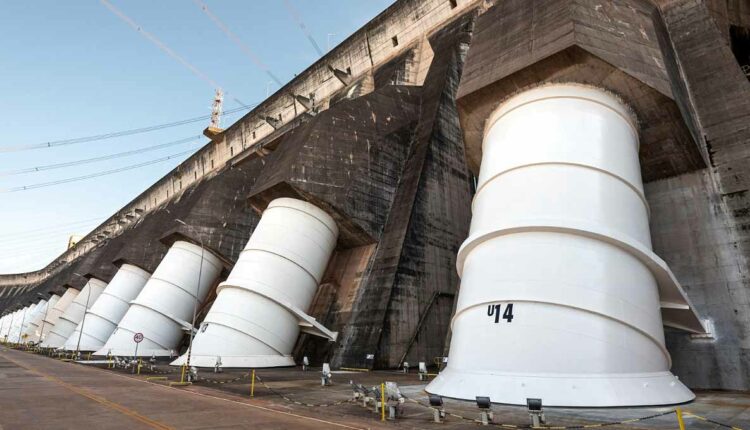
<point x="72" y="69"/>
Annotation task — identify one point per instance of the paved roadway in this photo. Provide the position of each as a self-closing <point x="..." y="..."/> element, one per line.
<point x="37" y="392"/>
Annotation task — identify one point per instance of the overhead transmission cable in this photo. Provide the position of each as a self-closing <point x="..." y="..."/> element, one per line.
<point x="52" y="227"/>
<point x="169" y="51"/>
<point x="101" y="158"/>
<point x="92" y="175"/>
<point x="21" y="242"/>
<point x="243" y="47"/>
<point x="298" y="19"/>
<point x="46" y="233"/>
<point x="105" y="136"/>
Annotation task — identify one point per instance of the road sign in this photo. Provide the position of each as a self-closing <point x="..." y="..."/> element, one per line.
<point x="138" y="337"/>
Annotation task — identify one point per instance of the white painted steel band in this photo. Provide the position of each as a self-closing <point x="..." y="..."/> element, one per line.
<point x="166" y="302"/>
<point x="560" y="232"/>
<point x="250" y="323"/>
<point x="102" y="318"/>
<point x="56" y="312"/>
<point x="74" y="313"/>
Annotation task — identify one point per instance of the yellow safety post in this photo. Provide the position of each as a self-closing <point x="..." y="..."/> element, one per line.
<point x="139" y="366"/>
<point x="382" y="401"/>
<point x="679" y="418"/>
<point x="182" y="375"/>
<point x="252" y="384"/>
<point x="88" y="357"/>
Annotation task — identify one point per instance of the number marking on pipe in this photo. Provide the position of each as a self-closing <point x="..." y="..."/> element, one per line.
<point x="494" y="310"/>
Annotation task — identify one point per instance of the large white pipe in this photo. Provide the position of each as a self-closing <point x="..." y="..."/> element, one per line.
<point x="8" y="325"/>
<point x="74" y="313"/>
<point x="13" y="335"/>
<point x="35" y="311"/>
<point x="102" y="318"/>
<point x="260" y="308"/>
<point x="18" y="322"/>
<point x="10" y="318"/>
<point x="164" y="308"/>
<point x="560" y="291"/>
<point x="3" y="322"/>
<point x="35" y="325"/>
<point x="11" y="324"/>
<point x="4" y="326"/>
<point x="56" y="312"/>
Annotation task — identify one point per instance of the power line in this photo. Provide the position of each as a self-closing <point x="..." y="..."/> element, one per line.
<point x="51" y="227"/>
<point x="130" y="132"/>
<point x="244" y="48"/>
<point x="92" y="175"/>
<point x="96" y="159"/>
<point x="46" y="232"/>
<point x="21" y="242"/>
<point x="161" y="45"/>
<point x="296" y="17"/>
<point x="49" y="247"/>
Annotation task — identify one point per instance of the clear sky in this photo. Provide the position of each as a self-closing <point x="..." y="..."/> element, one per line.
<point x="73" y="68"/>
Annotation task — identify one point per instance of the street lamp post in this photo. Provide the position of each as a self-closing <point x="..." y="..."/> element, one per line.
<point x="44" y="321"/>
<point x="195" y="305"/>
<point x="2" y="326"/>
<point x="83" y="321"/>
<point x="10" y="327"/>
<point x="23" y="320"/>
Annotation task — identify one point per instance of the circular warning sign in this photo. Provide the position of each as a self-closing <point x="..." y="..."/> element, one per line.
<point x="138" y="337"/>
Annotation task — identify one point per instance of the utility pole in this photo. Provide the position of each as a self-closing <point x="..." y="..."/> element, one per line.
<point x="23" y="319"/>
<point x="83" y="321"/>
<point x="44" y="320"/>
<point x="195" y="305"/>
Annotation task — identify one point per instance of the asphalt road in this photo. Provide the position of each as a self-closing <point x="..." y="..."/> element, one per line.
<point x="38" y="392"/>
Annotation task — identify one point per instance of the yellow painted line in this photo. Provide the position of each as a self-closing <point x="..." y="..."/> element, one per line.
<point x="156" y="378"/>
<point x="119" y="408"/>
<point x="277" y="411"/>
<point x="354" y="369"/>
<point x="705" y="419"/>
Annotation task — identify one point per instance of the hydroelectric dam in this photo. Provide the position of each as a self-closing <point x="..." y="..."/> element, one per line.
<point x="538" y="199"/>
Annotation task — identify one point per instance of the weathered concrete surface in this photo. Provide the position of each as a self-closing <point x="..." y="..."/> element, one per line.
<point x="615" y="45"/>
<point x="703" y="219"/>
<point x="692" y="229"/>
<point x="412" y="277"/>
